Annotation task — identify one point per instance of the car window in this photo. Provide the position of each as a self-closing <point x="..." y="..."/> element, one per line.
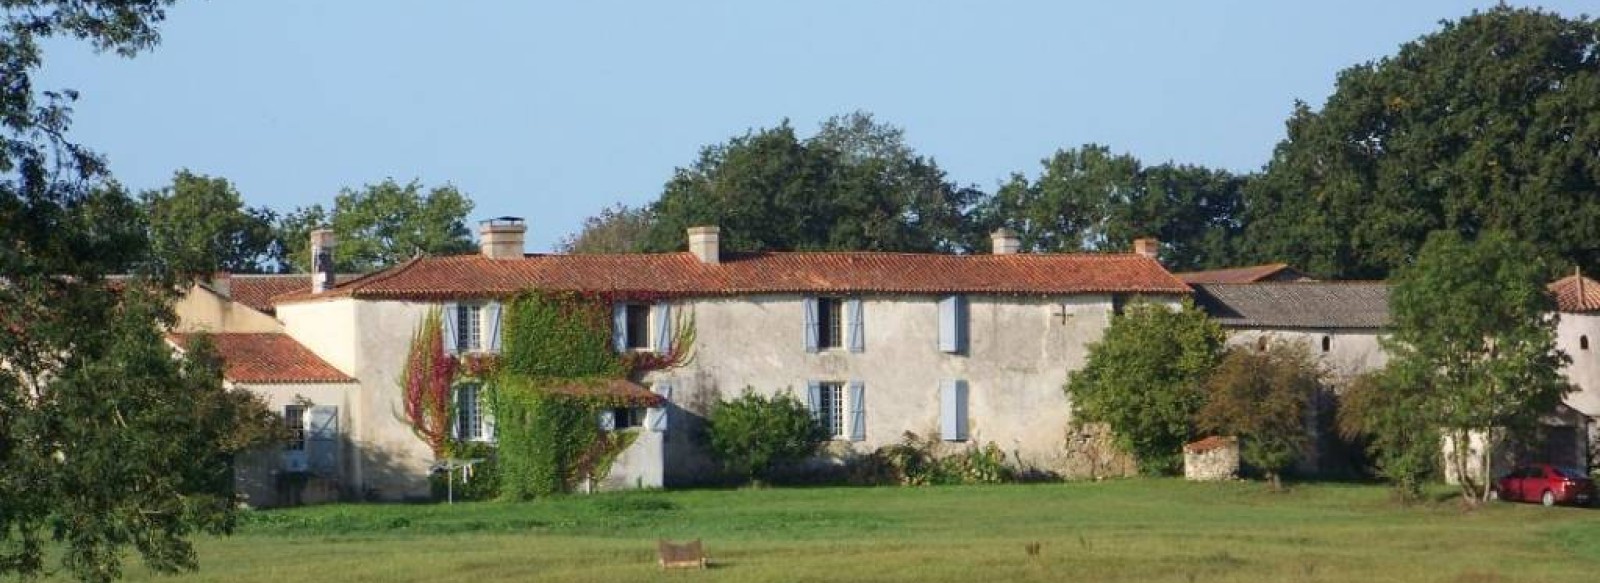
<point x="1571" y="473"/>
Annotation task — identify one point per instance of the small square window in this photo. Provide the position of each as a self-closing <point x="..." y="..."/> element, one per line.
<point x="627" y="417"/>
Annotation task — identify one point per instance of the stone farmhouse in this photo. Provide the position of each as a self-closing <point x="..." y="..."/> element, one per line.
<point x="972" y="349"/>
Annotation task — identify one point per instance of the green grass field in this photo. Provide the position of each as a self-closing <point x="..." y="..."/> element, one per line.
<point x="1131" y="530"/>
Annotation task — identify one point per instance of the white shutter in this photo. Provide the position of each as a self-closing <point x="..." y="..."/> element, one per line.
<point x="491" y="327"/>
<point x="322" y="439"/>
<point x="619" y="327"/>
<point x="663" y="314"/>
<point x="953" y="410"/>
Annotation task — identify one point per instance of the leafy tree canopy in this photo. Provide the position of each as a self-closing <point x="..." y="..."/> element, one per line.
<point x="107" y="443"/>
<point x="1263" y="397"/>
<point x="380" y="225"/>
<point x="1491" y="123"/>
<point x="617" y="229"/>
<point x="1473" y="321"/>
<point x="1146" y="380"/>
<point x="1089" y="199"/>
<point x="853" y="186"/>
<point x="200" y="225"/>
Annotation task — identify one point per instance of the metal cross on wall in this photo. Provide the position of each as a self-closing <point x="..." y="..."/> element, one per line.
<point x="1062" y="314"/>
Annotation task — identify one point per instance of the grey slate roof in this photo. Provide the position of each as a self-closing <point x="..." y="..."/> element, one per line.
<point x="1308" y="304"/>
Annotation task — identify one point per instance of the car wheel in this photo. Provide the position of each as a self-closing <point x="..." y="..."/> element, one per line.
<point x="1548" y="499"/>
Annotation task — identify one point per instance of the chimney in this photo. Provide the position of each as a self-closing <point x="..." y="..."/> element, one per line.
<point x="1148" y="247"/>
<point x="222" y="283"/>
<point x="1006" y="241"/>
<point x="706" y="244"/>
<point x="322" y="242"/>
<point x="501" y="238"/>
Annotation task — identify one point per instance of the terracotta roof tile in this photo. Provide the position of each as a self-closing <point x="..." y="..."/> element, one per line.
<point x="1209" y="443"/>
<point x="268" y="358"/>
<point x="1576" y="293"/>
<point x="1251" y="274"/>
<point x="257" y="291"/>
<point x="749" y="273"/>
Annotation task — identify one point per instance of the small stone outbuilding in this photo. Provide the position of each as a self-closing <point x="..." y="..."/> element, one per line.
<point x="1211" y="459"/>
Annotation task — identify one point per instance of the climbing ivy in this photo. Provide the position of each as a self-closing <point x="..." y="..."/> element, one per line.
<point x="550" y="441"/>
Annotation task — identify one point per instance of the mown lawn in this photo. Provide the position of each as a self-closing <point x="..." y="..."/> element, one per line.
<point x="1131" y="530"/>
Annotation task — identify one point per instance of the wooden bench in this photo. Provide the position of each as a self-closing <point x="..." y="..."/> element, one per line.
<point x="685" y="556"/>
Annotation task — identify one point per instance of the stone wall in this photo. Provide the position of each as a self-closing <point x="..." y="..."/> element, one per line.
<point x="1212" y="458"/>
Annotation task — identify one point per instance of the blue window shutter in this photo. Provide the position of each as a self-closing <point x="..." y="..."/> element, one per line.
<point x="656" y="417"/>
<point x="809" y="304"/>
<point x="449" y="316"/>
<point x="491" y="326"/>
<point x="858" y="411"/>
<point x="858" y="340"/>
<point x="619" y="327"/>
<point x="322" y="439"/>
<point x="486" y="407"/>
<point x="608" y="420"/>
<point x="948" y="333"/>
<point x="963" y="325"/>
<point x="663" y="314"/>
<point x="814" y="399"/>
<point x="961" y="410"/>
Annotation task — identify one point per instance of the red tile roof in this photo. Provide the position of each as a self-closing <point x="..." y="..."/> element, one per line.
<point x="1251" y="274"/>
<point x="465" y="276"/>
<point x="257" y="291"/>
<point x="268" y="358"/>
<point x="1209" y="443"/>
<point x="1576" y="293"/>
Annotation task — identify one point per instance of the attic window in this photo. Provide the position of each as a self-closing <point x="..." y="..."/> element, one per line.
<point x="1327" y="343"/>
<point x="1583" y="343"/>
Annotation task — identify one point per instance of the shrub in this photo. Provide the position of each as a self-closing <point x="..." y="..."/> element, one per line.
<point x="915" y="461"/>
<point x="484" y="483"/>
<point x="753" y="436"/>
<point x="1263" y="398"/>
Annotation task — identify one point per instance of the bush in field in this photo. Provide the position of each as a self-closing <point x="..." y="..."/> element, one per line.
<point x="915" y="461"/>
<point x="753" y="435"/>
<point x="1263" y="397"/>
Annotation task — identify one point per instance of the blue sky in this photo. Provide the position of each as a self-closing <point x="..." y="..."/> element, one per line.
<point x="553" y="110"/>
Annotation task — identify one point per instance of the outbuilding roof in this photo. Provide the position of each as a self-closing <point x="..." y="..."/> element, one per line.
<point x="268" y="358"/>
<point x="1576" y="294"/>
<point x="469" y="276"/>
<point x="257" y="291"/>
<point x="1251" y="274"/>
<point x="1303" y="304"/>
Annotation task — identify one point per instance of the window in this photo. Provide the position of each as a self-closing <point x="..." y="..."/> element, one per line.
<point x="469" y="328"/>
<point x="469" y="413"/>
<point x="830" y="410"/>
<point x="1327" y="343"/>
<point x="638" y="327"/>
<point x="1583" y="343"/>
<point x="830" y="323"/>
<point x="294" y="420"/>
<point x="627" y="418"/>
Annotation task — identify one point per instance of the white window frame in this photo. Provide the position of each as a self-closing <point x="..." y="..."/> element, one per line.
<point x="294" y="419"/>
<point x="832" y="409"/>
<point x="471" y="424"/>
<point x="469" y="328"/>
<point x="647" y="343"/>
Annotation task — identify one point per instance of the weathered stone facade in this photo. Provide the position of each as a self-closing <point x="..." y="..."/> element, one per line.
<point x="1211" y="459"/>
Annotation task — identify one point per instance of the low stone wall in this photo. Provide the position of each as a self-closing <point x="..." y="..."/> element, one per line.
<point x="1211" y="459"/>
<point x="1091" y="455"/>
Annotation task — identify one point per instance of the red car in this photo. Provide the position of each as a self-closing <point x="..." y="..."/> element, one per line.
<point x="1546" y="484"/>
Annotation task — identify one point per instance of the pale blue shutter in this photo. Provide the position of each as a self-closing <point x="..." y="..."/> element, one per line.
<point x="491" y="326"/>
<point x="656" y="417"/>
<point x="814" y="399"/>
<point x="858" y="339"/>
<point x="486" y="413"/>
<point x="608" y="420"/>
<point x="809" y="306"/>
<point x="322" y="439"/>
<point x="953" y="324"/>
<point x="953" y="410"/>
<point x="450" y="317"/>
<point x="858" y="411"/>
<point x="619" y="327"/>
<point x="663" y="313"/>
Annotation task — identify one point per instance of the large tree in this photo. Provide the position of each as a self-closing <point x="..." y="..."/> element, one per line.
<point x="1492" y="122"/>
<point x="1474" y="324"/>
<point x="1146" y="379"/>
<point x="853" y="186"/>
<point x="200" y="224"/>
<point x="1090" y="199"/>
<point x="617" y="229"/>
<point x="1263" y="397"/>
<point x="108" y="444"/>
<point x="380" y="225"/>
